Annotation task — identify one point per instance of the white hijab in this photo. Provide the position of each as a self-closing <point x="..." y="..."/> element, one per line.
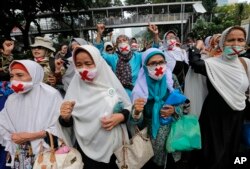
<point x="107" y="44"/>
<point x="230" y="80"/>
<point x="34" y="111"/>
<point x="176" y="54"/>
<point x="95" y="100"/>
<point x="229" y="77"/>
<point x="68" y="75"/>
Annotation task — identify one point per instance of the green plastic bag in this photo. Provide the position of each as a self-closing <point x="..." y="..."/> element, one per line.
<point x="184" y="134"/>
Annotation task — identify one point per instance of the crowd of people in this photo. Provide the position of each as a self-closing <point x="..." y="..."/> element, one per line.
<point x="87" y="94"/>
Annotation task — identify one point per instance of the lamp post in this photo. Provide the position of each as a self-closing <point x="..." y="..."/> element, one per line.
<point x="182" y="22"/>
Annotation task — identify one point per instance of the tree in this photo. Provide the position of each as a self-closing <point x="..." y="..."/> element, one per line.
<point x="223" y="17"/>
<point x="21" y="13"/>
<point x="16" y="13"/>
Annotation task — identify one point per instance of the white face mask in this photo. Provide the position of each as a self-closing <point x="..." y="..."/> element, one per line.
<point x="134" y="47"/>
<point x="156" y="72"/>
<point x="232" y="52"/>
<point x="124" y="48"/>
<point x="87" y="74"/>
<point x="171" y="43"/>
<point x="21" y="87"/>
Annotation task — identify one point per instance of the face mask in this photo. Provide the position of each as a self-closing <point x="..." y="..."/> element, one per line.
<point x="171" y="43"/>
<point x="21" y="87"/>
<point x="232" y="52"/>
<point x="156" y="72"/>
<point x="87" y="74"/>
<point x="124" y="48"/>
<point x="39" y="59"/>
<point x="134" y="47"/>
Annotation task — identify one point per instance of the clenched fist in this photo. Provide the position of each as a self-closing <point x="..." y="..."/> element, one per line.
<point x="66" y="110"/>
<point x="100" y="28"/>
<point x="139" y="105"/>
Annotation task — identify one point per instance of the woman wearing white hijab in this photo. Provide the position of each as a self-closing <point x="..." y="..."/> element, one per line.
<point x="31" y="111"/>
<point x="176" y="57"/>
<point x="222" y="112"/>
<point x="90" y="115"/>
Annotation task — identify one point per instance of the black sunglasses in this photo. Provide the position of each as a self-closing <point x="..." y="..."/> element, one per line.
<point x="38" y="47"/>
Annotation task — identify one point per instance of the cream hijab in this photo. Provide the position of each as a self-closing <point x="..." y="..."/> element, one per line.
<point x="229" y="77"/>
<point x="95" y="100"/>
<point x="34" y="111"/>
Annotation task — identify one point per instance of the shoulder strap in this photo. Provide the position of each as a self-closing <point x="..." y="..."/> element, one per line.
<point x="243" y="63"/>
<point x="245" y="67"/>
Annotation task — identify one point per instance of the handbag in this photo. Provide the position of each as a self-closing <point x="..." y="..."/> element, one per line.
<point x="184" y="134"/>
<point x="136" y="153"/>
<point x="49" y="159"/>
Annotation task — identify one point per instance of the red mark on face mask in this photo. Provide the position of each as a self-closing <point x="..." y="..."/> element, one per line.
<point x="17" y="88"/>
<point x="236" y="52"/>
<point x="84" y="75"/>
<point x="124" y="48"/>
<point x="159" y="71"/>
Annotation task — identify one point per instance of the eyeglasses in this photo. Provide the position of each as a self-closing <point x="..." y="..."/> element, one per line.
<point x="109" y="49"/>
<point x="163" y="62"/>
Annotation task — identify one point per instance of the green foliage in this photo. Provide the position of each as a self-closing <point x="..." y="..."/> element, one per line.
<point x="221" y="18"/>
<point x="209" y="5"/>
<point x="232" y="13"/>
<point x="203" y="29"/>
<point x="21" y="13"/>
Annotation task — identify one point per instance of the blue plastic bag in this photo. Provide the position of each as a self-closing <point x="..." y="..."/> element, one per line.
<point x="175" y="98"/>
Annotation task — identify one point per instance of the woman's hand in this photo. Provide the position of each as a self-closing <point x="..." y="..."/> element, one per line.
<point x="153" y="28"/>
<point x="23" y="137"/>
<point x="139" y="105"/>
<point x="66" y="110"/>
<point x="100" y="28"/>
<point x="51" y="79"/>
<point x="20" y="138"/>
<point x="58" y="65"/>
<point x="167" y="111"/>
<point x="108" y="123"/>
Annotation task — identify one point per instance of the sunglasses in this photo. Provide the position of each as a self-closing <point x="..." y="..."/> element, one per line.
<point x="38" y="47"/>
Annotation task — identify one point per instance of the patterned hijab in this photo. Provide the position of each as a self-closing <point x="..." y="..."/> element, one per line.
<point x="124" y="71"/>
